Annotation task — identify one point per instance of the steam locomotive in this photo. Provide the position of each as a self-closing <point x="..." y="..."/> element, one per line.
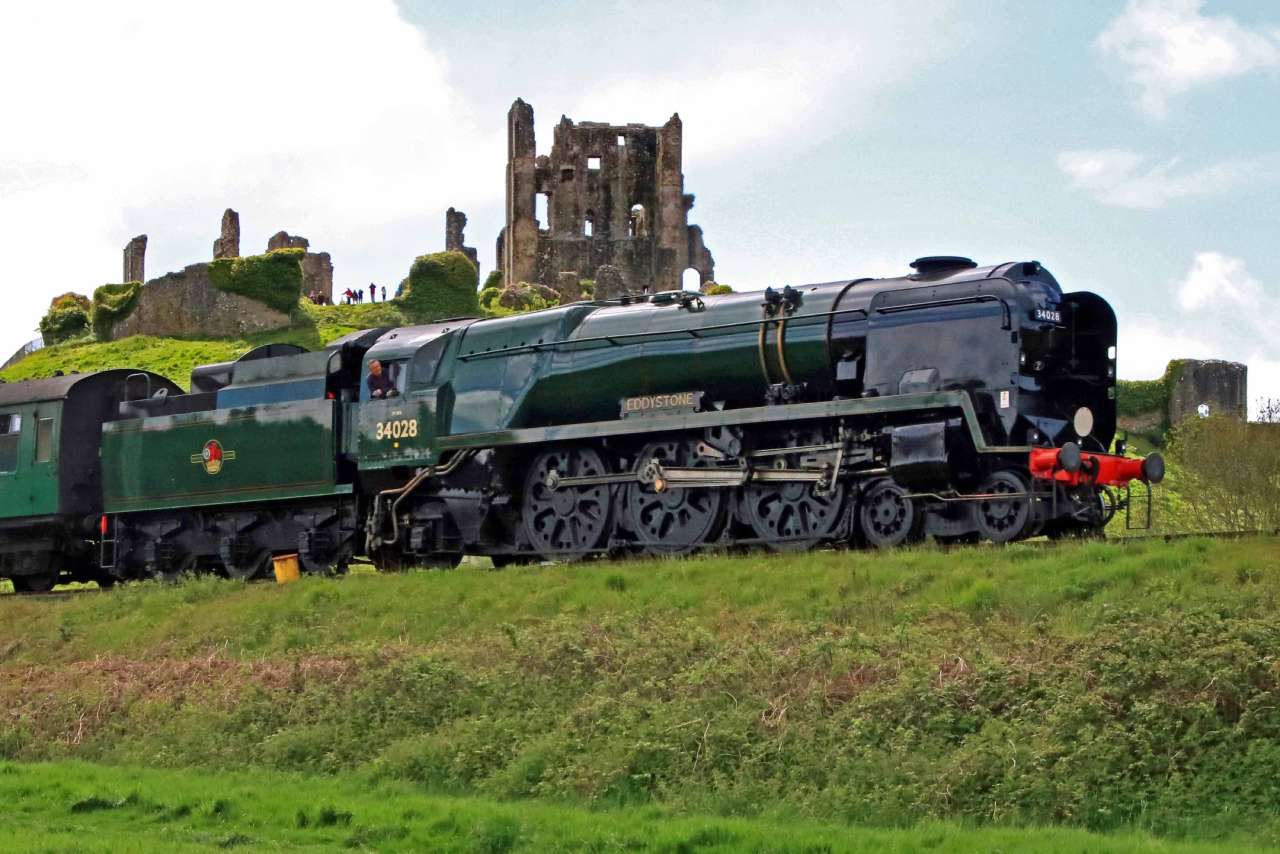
<point x="958" y="402"/>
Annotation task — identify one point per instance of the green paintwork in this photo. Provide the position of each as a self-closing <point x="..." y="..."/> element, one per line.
<point x="32" y="489"/>
<point x="281" y="451"/>
<point x="952" y="402"/>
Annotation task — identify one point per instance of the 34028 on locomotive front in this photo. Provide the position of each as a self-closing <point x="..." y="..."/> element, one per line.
<point x="959" y="402"/>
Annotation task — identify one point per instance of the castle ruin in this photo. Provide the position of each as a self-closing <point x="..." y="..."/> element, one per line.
<point x="614" y="196"/>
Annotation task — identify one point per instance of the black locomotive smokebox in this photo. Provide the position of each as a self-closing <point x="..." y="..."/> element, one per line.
<point x="918" y="454"/>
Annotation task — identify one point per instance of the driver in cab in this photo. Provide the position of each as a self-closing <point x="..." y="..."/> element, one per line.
<point x="380" y="383"/>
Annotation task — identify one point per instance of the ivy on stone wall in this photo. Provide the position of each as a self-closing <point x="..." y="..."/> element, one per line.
<point x="273" y="279"/>
<point x="67" y="318"/>
<point x="441" y="285"/>
<point x="112" y="304"/>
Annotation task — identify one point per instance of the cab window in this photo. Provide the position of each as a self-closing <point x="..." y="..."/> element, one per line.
<point x="10" y="432"/>
<point x="44" y="440"/>
<point x="389" y="383"/>
<point x="427" y="361"/>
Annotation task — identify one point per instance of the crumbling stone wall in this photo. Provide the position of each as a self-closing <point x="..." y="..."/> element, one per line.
<point x="135" y="254"/>
<point x="187" y="304"/>
<point x="317" y="267"/>
<point x="228" y="243"/>
<point x="455" y="224"/>
<point x="1222" y="388"/>
<point x="615" y="196"/>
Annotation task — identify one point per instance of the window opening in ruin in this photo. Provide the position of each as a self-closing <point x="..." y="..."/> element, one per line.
<point x="541" y="204"/>
<point x="588" y="224"/>
<point x="593" y="163"/>
<point x="622" y="140"/>
<point x="566" y="175"/>
<point x="691" y="280"/>
<point x="636" y="224"/>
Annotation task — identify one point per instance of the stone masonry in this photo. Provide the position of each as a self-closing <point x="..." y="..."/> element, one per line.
<point x="187" y="304"/>
<point x="1222" y="388"/>
<point x="455" y="222"/>
<point x="317" y="267"/>
<point x="135" y="254"/>
<point x="614" y="196"/>
<point x="228" y="243"/>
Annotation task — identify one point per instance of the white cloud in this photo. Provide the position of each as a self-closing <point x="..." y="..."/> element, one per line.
<point x="335" y="121"/>
<point x="1170" y="47"/>
<point x="1123" y="178"/>
<point x="1222" y="312"/>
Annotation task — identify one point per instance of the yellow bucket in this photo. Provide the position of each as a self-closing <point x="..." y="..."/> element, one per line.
<point x="286" y="567"/>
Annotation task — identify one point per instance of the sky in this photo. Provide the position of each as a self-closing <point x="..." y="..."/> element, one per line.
<point x="1132" y="147"/>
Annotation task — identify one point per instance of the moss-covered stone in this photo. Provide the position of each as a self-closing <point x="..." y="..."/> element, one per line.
<point x="273" y="279"/>
<point x="112" y="304"/>
<point x="67" y="318"/>
<point x="441" y="285"/>
<point x="715" y="290"/>
<point x="493" y="280"/>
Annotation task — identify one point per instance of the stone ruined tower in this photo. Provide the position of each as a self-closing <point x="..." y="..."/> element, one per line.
<point x="520" y="237"/>
<point x="615" y="198"/>
<point x="135" y="255"/>
<point x="228" y="243"/>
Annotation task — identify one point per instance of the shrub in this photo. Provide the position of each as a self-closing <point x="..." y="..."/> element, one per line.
<point x="489" y="298"/>
<point x="274" y="279"/>
<point x="112" y="304"/>
<point x="715" y="290"/>
<point x="588" y="288"/>
<point x="68" y="317"/>
<point x="441" y="285"/>
<point x="493" y="280"/>
<point x="1229" y="474"/>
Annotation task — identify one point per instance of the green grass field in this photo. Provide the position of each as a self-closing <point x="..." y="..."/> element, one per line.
<point x="73" y="806"/>
<point x="1100" y="687"/>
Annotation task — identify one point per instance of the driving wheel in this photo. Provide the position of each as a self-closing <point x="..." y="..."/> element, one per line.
<point x="566" y="522"/>
<point x="674" y="521"/>
<point x="887" y="517"/>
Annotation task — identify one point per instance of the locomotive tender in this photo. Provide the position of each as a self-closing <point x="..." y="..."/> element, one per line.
<point x="959" y="402"/>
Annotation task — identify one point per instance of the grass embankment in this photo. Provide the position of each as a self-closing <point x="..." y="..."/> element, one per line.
<point x="314" y="326"/>
<point x="79" y="807"/>
<point x="1100" y="686"/>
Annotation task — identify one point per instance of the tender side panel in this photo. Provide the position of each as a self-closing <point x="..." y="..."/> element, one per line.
<point x="226" y="456"/>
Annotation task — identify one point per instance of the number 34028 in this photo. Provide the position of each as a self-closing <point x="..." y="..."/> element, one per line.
<point x="404" y="428"/>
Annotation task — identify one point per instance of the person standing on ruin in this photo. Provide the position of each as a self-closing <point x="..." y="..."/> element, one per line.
<point x="373" y="292"/>
<point x="384" y="293"/>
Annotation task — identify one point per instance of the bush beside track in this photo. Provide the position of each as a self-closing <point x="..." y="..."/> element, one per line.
<point x="1098" y="686"/>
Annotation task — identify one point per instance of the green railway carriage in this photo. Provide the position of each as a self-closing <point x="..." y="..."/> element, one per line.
<point x="50" y="471"/>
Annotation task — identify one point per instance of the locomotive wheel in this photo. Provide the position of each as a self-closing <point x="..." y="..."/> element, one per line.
<point x="1002" y="520"/>
<point x="571" y="522"/>
<point x="793" y="516"/>
<point x="254" y="564"/>
<point x="674" y="521"/>
<point x="886" y="516"/>
<point x="34" y="583"/>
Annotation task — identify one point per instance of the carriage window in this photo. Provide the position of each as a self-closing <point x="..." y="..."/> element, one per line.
<point x="10" y="432"/>
<point x="44" y="440"/>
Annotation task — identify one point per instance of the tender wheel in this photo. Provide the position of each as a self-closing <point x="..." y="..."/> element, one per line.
<point x="887" y="517"/>
<point x="674" y="521"/>
<point x="42" y="583"/>
<point x="793" y="516"/>
<point x="1002" y="520"/>
<point x="251" y="564"/>
<point x="567" y="523"/>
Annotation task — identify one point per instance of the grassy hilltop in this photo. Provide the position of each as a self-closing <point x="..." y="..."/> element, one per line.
<point x="766" y="702"/>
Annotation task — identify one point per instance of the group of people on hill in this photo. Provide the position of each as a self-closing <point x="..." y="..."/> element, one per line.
<point x="350" y="297"/>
